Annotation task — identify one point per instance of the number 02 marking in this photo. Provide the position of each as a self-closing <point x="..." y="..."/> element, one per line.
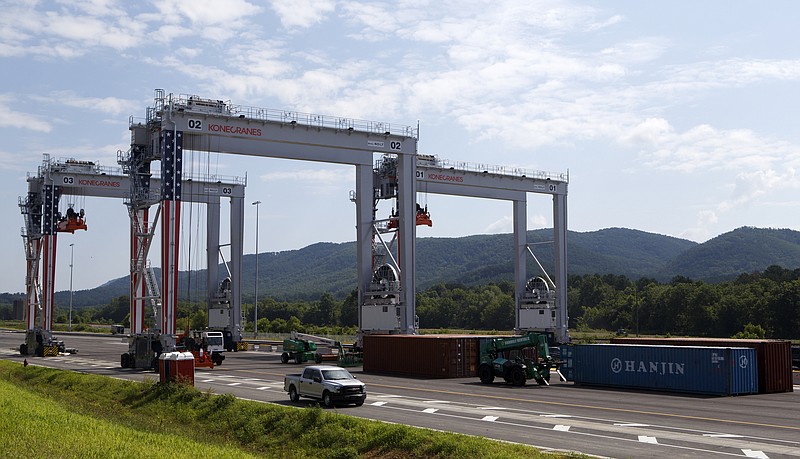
<point x="395" y="145"/>
<point x="195" y="124"/>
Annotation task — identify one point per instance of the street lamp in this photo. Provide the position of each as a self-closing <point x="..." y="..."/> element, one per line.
<point x="71" y="259"/>
<point x="255" y="319"/>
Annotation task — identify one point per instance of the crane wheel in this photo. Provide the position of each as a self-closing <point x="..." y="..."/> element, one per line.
<point x="23" y="349"/>
<point x="285" y="358"/>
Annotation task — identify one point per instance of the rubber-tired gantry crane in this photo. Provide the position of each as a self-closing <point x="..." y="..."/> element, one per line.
<point x="40" y="209"/>
<point x="386" y="289"/>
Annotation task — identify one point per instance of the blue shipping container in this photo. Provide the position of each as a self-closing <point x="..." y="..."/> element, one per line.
<point x="702" y="370"/>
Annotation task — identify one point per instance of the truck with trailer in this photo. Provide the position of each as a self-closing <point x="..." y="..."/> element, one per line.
<point x="326" y="383"/>
<point x="516" y="359"/>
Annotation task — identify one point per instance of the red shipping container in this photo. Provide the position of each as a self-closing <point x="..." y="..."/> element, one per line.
<point x="433" y="356"/>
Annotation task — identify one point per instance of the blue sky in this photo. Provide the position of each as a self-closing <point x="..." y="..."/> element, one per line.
<point x="677" y="118"/>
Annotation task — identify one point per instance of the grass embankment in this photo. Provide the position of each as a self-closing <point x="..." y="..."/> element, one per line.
<point x="62" y="414"/>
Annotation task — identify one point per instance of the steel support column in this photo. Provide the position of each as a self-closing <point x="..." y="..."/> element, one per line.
<point x="235" y="265"/>
<point x="407" y="226"/>
<point x="520" y="255"/>
<point x="171" y="172"/>
<point x="560" y="257"/>
<point x="364" y="201"/>
<point x="138" y="291"/>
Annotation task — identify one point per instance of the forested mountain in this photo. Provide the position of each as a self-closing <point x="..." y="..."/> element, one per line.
<point x="744" y="250"/>
<point x="306" y="273"/>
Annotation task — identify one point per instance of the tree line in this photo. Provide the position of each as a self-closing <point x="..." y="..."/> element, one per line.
<point x="767" y="301"/>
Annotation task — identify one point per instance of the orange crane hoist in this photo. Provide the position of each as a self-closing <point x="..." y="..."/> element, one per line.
<point x="423" y="218"/>
<point x="71" y="222"/>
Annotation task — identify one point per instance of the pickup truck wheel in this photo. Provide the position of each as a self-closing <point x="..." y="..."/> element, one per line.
<point x="326" y="399"/>
<point x="360" y="402"/>
<point x="284" y="358"/>
<point x="293" y="395"/>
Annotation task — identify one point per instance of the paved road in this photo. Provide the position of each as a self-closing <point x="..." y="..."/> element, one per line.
<point x="593" y="421"/>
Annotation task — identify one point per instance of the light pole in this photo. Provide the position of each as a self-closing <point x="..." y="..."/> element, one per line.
<point x="255" y="308"/>
<point x="71" y="259"/>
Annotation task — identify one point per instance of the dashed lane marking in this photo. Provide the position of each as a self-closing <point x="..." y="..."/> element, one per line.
<point x="430" y="410"/>
<point x="646" y="439"/>
<point x="490" y="418"/>
<point x="561" y="428"/>
<point x="756" y="454"/>
<point x="378" y="403"/>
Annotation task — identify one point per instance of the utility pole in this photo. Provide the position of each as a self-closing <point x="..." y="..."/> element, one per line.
<point x="255" y="307"/>
<point x="71" y="260"/>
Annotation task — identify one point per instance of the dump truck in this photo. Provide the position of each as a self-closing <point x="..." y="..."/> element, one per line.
<point x="516" y="359"/>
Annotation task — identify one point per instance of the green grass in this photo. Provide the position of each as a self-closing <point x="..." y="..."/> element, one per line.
<point x="63" y="414"/>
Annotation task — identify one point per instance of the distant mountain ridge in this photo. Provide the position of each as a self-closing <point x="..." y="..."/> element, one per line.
<point x="306" y="273"/>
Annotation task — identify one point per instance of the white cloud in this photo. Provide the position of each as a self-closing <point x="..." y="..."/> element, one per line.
<point x="302" y="13"/>
<point x="109" y="105"/>
<point x="10" y="118"/>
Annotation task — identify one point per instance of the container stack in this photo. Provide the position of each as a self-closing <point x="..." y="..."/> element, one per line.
<point x="774" y="357"/>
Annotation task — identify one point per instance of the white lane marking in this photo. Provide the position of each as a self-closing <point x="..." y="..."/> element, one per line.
<point x="555" y="416"/>
<point x="430" y="410"/>
<point x="756" y="454"/>
<point x="435" y="401"/>
<point x="722" y="435"/>
<point x="561" y="428"/>
<point x="633" y="424"/>
<point x="207" y="380"/>
<point x="490" y="418"/>
<point x="262" y="387"/>
<point x="646" y="439"/>
<point x="234" y="384"/>
<point x="378" y="403"/>
<point x="490" y="408"/>
<point x="389" y="396"/>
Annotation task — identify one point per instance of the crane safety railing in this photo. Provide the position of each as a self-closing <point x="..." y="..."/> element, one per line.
<point x="387" y="166"/>
<point x="191" y="103"/>
<point x="500" y="170"/>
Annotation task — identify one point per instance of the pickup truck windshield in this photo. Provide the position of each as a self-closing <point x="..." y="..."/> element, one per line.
<point x="332" y="375"/>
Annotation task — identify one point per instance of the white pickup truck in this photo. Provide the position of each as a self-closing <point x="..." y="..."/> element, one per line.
<point x="330" y="384"/>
